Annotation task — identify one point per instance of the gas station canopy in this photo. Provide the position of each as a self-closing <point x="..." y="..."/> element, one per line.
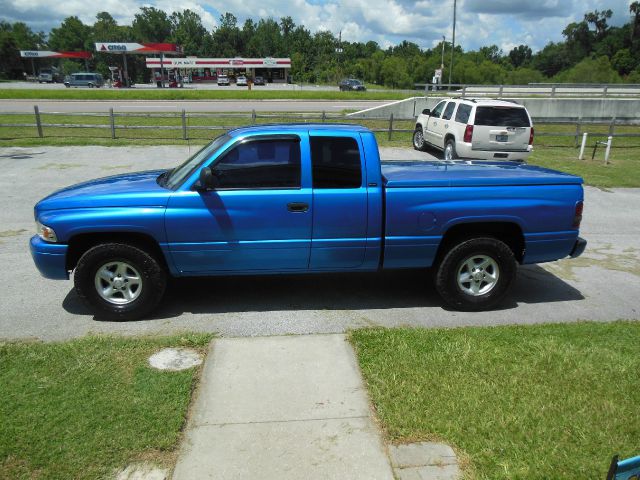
<point x="50" y="54"/>
<point x="143" y="48"/>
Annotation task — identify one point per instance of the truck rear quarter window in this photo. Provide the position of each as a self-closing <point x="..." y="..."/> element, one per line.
<point x="462" y="115"/>
<point x="335" y="162"/>
<point x="260" y="164"/>
<point x="502" y="117"/>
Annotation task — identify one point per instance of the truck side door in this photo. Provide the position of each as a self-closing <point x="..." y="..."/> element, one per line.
<point x="433" y="124"/>
<point x="340" y="205"/>
<point x="258" y="218"/>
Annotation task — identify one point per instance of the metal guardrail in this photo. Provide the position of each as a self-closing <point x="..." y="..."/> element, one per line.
<point x="547" y="90"/>
<point x="390" y="128"/>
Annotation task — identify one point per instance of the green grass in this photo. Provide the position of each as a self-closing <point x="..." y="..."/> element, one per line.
<point x="557" y="152"/>
<point x="187" y="94"/>
<point x="82" y="409"/>
<point x="521" y="402"/>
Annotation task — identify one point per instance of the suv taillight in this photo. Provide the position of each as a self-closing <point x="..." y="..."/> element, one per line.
<point x="577" y="218"/>
<point x="468" y="134"/>
<point x="531" y="137"/>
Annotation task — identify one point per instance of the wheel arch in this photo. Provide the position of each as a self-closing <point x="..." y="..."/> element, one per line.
<point x="506" y="231"/>
<point x="449" y="136"/>
<point x="79" y="244"/>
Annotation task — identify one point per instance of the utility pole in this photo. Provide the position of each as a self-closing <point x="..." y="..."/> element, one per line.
<point x="442" y="61"/>
<point x="453" y="42"/>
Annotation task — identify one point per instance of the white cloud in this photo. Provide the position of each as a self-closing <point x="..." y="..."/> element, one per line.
<point x="505" y="23"/>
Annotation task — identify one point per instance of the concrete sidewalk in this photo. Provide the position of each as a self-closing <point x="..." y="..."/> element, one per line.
<point x="282" y="408"/>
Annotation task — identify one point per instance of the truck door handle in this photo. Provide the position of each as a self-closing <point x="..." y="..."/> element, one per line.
<point x="298" y="207"/>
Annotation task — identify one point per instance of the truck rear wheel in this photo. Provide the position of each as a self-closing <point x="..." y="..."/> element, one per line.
<point x="119" y="282"/>
<point x="476" y="274"/>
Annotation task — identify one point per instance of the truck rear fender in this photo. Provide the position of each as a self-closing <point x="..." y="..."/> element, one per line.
<point x="508" y="232"/>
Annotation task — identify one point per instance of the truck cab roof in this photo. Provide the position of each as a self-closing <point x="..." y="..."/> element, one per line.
<point x="297" y="127"/>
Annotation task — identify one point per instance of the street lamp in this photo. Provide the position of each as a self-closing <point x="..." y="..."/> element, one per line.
<point x="453" y="42"/>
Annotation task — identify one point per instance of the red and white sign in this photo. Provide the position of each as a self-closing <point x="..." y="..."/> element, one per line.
<point x="123" y="47"/>
<point x="219" y="63"/>
<point x="50" y="54"/>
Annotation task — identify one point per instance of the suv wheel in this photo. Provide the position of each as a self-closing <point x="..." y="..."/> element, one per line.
<point x="90" y="85"/>
<point x="119" y="281"/>
<point x="476" y="274"/>
<point x="418" y="139"/>
<point x="450" y="150"/>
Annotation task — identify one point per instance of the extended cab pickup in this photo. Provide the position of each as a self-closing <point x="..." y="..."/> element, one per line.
<point x="305" y="198"/>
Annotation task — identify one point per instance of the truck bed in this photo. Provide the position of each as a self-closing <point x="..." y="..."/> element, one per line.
<point x="420" y="173"/>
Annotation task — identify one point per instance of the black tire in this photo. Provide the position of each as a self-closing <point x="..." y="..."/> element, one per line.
<point x="450" y="274"/>
<point x="90" y="85"/>
<point x="450" y="146"/>
<point x="418" y="139"/>
<point x="150" y="272"/>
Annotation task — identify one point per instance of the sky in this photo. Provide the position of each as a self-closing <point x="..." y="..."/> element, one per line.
<point x="506" y="23"/>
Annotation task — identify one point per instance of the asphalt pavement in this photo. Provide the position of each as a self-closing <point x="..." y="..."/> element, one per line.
<point x="163" y="106"/>
<point x="601" y="285"/>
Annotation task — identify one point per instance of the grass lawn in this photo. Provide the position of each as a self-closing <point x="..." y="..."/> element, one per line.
<point x="186" y="94"/>
<point x="517" y="402"/>
<point x="557" y="152"/>
<point x="84" y="408"/>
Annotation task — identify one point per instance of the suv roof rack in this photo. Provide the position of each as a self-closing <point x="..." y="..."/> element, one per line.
<point x="468" y="99"/>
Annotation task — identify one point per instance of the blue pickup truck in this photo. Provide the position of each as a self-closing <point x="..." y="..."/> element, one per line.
<point x="305" y="198"/>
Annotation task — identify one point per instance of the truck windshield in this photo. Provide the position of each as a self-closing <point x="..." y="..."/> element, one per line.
<point x="176" y="176"/>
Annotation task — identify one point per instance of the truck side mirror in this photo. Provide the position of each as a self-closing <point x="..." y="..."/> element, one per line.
<point x="426" y="111"/>
<point x="208" y="181"/>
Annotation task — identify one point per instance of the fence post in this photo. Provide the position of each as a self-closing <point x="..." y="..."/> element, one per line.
<point x="184" y="125"/>
<point x="612" y="125"/>
<point x="324" y="116"/>
<point x="38" y="122"/>
<point x="390" y="125"/>
<point x="578" y="128"/>
<point x="253" y="116"/>
<point x="464" y="90"/>
<point x="584" y="144"/>
<point x="604" y="91"/>
<point x="112" y="121"/>
<point x="608" y="150"/>
<point x="500" y="91"/>
<point x="553" y="91"/>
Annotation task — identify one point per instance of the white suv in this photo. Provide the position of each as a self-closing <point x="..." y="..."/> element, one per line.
<point x="477" y="129"/>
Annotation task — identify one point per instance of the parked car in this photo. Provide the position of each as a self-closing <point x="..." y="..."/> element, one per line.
<point x="351" y="84"/>
<point x="477" y="129"/>
<point x="49" y="75"/>
<point x="85" y="79"/>
<point x="304" y="198"/>
<point x="259" y="80"/>
<point x="241" y="81"/>
<point x="223" y="80"/>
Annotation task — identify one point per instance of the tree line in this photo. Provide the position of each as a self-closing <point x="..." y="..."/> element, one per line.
<point x="591" y="51"/>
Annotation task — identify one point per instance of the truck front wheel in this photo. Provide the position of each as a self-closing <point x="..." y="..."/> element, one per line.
<point x="418" y="139"/>
<point x="476" y="274"/>
<point x="119" y="281"/>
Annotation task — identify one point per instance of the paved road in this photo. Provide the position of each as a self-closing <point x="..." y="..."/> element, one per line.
<point x="26" y="106"/>
<point x="601" y="285"/>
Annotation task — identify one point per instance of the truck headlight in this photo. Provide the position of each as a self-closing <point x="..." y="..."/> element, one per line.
<point x="46" y="233"/>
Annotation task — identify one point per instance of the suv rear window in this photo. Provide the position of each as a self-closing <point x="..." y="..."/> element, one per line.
<point x="502" y="117"/>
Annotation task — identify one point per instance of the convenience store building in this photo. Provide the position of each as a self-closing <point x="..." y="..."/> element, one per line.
<point x="273" y="70"/>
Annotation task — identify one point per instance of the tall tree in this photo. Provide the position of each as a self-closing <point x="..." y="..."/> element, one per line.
<point x="187" y="30"/>
<point x="72" y="35"/>
<point x="599" y="20"/>
<point x="520" y="55"/>
<point x="151" y="25"/>
<point x="634" y="8"/>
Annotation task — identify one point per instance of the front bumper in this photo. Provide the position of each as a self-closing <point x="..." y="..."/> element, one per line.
<point x="50" y="258"/>
<point x="578" y="248"/>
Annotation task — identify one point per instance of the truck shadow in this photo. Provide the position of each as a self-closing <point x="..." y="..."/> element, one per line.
<point x="348" y="291"/>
